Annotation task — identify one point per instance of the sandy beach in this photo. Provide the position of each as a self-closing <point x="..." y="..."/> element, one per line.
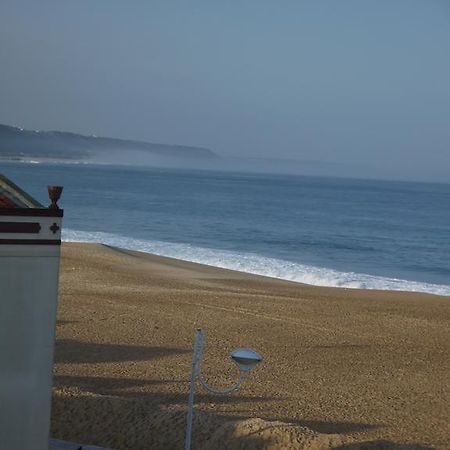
<point x="343" y="368"/>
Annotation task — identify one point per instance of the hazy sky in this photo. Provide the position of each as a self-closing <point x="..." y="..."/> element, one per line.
<point x="361" y="85"/>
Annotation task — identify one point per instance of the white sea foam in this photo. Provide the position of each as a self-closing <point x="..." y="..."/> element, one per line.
<point x="256" y="264"/>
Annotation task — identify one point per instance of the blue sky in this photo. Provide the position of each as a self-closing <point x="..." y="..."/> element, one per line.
<point x="360" y="86"/>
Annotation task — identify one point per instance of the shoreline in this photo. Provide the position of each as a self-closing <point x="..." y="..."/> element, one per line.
<point x="348" y="365"/>
<point x="346" y="280"/>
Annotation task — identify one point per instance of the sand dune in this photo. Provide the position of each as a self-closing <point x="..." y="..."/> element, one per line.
<point x="135" y="425"/>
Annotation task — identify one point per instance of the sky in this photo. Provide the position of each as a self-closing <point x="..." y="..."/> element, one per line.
<point x="346" y="87"/>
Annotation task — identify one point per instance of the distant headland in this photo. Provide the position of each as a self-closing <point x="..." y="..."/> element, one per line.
<point x="18" y="144"/>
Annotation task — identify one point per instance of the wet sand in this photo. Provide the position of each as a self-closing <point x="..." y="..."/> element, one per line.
<point x="342" y="367"/>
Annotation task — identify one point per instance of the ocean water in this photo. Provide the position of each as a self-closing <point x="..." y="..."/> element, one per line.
<point x="322" y="231"/>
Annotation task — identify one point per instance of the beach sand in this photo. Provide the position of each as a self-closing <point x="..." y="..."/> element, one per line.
<point x="342" y="368"/>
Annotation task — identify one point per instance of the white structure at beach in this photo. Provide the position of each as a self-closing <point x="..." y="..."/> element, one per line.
<point x="30" y="238"/>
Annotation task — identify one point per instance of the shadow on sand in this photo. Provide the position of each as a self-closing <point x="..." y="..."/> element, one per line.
<point x="138" y="424"/>
<point x="120" y="413"/>
<point x="77" y="352"/>
<point x="119" y="387"/>
<point x="381" y="445"/>
<point x="328" y="427"/>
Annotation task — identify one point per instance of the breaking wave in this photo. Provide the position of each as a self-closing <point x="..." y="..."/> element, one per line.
<point x="257" y="264"/>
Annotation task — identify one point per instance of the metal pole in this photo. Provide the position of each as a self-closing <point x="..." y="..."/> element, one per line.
<point x="198" y="347"/>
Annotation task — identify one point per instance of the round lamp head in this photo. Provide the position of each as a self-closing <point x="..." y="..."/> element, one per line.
<point x="245" y="358"/>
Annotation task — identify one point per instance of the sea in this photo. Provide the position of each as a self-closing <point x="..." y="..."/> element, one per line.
<point x="347" y="233"/>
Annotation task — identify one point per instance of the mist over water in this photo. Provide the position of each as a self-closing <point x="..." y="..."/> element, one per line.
<point x="343" y="87"/>
<point x="322" y="231"/>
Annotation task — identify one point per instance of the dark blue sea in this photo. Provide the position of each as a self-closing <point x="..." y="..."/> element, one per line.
<point x="322" y="231"/>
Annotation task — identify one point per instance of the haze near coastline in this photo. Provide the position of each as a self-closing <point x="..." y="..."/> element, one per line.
<point x="38" y="146"/>
<point x="360" y="88"/>
<point x="17" y="144"/>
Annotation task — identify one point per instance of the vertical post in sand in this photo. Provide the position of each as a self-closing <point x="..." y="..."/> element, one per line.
<point x="245" y="359"/>
<point x="196" y="357"/>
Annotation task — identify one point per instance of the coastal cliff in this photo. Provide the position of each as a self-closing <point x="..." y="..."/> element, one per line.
<point x="20" y="144"/>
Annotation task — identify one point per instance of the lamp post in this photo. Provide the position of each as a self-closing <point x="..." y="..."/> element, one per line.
<point x="246" y="359"/>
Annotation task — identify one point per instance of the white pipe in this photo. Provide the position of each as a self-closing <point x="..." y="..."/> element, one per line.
<point x="197" y="373"/>
<point x="225" y="391"/>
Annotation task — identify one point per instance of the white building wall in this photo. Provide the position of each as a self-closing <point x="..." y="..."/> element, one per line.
<point x="28" y="301"/>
